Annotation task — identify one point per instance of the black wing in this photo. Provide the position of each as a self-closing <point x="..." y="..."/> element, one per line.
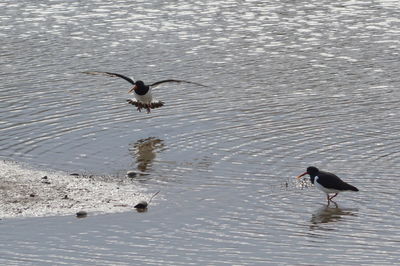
<point x="330" y="180"/>
<point x="110" y="75"/>
<point x="176" y="81"/>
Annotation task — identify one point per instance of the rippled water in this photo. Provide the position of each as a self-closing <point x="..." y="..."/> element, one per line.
<point x="291" y="84"/>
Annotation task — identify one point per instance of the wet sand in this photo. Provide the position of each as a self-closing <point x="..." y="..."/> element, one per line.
<point x="28" y="192"/>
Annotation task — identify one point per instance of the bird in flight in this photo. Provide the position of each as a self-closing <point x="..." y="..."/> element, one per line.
<point x="142" y="92"/>
<point x="327" y="182"/>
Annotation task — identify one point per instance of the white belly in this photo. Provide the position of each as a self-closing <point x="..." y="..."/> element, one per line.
<point x="324" y="189"/>
<point x="146" y="99"/>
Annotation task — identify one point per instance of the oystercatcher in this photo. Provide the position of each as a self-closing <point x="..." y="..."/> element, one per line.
<point x="142" y="92"/>
<point x="327" y="182"/>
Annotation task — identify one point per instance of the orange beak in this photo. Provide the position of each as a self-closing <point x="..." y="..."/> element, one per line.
<point x="302" y="175"/>
<point x="133" y="89"/>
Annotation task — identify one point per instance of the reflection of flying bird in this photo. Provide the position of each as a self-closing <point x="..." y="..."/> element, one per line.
<point x="327" y="182"/>
<point x="142" y="92"/>
<point x="145" y="151"/>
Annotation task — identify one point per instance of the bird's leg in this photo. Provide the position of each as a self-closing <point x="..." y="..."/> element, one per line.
<point x="327" y="198"/>
<point x="148" y="108"/>
<point x="333" y="196"/>
<point x="139" y="108"/>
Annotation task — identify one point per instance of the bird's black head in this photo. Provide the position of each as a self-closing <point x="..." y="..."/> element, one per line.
<point x="312" y="171"/>
<point x="140" y="88"/>
<point x="139" y="84"/>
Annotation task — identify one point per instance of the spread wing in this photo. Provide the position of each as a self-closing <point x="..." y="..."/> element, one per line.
<point x="176" y="81"/>
<point x="110" y="75"/>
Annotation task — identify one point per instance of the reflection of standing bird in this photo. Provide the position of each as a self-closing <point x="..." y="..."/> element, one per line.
<point x="142" y="92"/>
<point x="328" y="214"/>
<point x="327" y="182"/>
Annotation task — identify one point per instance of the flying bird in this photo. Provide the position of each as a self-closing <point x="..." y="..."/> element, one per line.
<point x="142" y="92"/>
<point x="327" y="182"/>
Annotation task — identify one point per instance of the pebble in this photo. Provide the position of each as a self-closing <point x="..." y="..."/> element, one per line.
<point x="131" y="174"/>
<point x="81" y="214"/>
<point x="141" y="205"/>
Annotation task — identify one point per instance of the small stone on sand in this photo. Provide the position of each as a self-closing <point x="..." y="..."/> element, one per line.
<point x="81" y="214"/>
<point x="141" y="205"/>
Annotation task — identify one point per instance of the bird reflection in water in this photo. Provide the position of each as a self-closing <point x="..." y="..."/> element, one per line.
<point x="329" y="214"/>
<point x="145" y="151"/>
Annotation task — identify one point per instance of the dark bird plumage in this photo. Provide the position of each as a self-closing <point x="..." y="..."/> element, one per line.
<point x="327" y="182"/>
<point x="143" y="92"/>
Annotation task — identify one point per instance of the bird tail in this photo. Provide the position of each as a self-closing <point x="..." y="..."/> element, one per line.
<point x="350" y="187"/>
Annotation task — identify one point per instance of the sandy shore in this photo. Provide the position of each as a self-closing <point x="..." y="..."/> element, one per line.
<point x="29" y="192"/>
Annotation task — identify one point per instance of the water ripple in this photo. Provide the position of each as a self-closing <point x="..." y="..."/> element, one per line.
<point x="289" y="85"/>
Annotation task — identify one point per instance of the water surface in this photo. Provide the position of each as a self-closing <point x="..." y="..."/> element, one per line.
<point x="291" y="84"/>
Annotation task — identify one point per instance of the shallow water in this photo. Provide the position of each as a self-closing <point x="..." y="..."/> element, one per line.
<point x="290" y="85"/>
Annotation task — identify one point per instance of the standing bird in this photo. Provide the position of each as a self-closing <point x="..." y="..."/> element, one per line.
<point x="142" y="92"/>
<point x="327" y="182"/>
